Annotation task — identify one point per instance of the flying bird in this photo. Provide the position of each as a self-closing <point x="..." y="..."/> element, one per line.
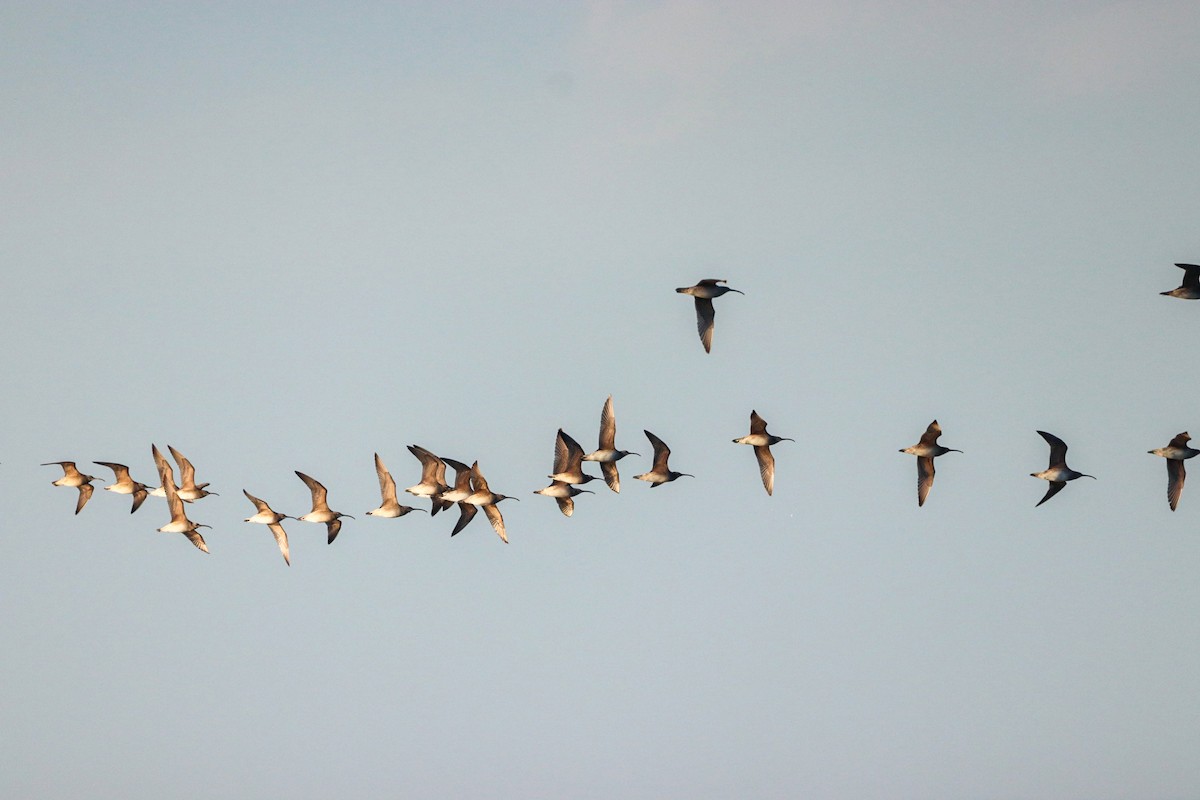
<point x="75" y="478"/>
<point x="704" y="292"/>
<point x="266" y="516"/>
<point x="320" y="508"/>
<point x="1175" y="452"/>
<point x="125" y="484"/>
<point x="568" y="470"/>
<point x="1058" y="473"/>
<point x="179" y="522"/>
<point x="607" y="454"/>
<point x="660" y="473"/>
<point x="188" y="489"/>
<point x="568" y="460"/>
<point x="926" y="450"/>
<point x="563" y="493"/>
<point x="1189" y="289"/>
<point x="762" y="441"/>
<point x="456" y="494"/>
<point x="433" y="478"/>
<point x="390" y="507"/>
<point x="462" y="483"/>
<point x="482" y="497"/>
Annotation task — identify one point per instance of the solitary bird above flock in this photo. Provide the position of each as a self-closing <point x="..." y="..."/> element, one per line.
<point x="704" y="292"/>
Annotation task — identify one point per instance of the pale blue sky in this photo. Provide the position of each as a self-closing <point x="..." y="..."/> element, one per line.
<point x="287" y="236"/>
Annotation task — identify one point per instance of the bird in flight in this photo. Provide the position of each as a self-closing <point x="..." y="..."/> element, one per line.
<point x="926" y="450"/>
<point x="73" y="477"/>
<point x="607" y="453"/>
<point x="1175" y="452"/>
<point x="704" y="292"/>
<point x="266" y="516"/>
<point x="389" y="507"/>
<point x="125" y="484"/>
<point x="320" y="508"/>
<point x="1189" y="289"/>
<point x="660" y="473"/>
<point x="761" y="441"/>
<point x="1058" y="473"/>
<point x="179" y="522"/>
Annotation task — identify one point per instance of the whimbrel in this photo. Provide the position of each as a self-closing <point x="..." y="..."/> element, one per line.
<point x="562" y="492"/>
<point x="390" y="507"/>
<point x="926" y="450"/>
<point x="1058" y="473"/>
<point x="762" y="441"/>
<point x="568" y="461"/>
<point x="179" y="522"/>
<point x="266" y="516"/>
<point x="1175" y="452"/>
<point x="455" y="495"/>
<point x="704" y="292"/>
<point x="433" y="478"/>
<point x="607" y="454"/>
<point x="1189" y="289"/>
<point x="125" y="484"/>
<point x="483" y="497"/>
<point x="462" y="483"/>
<point x="320" y="508"/>
<point x="75" y="478"/>
<point x="188" y="489"/>
<point x="660" y="473"/>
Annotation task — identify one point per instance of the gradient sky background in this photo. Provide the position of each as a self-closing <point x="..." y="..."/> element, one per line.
<point x="286" y="236"/>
